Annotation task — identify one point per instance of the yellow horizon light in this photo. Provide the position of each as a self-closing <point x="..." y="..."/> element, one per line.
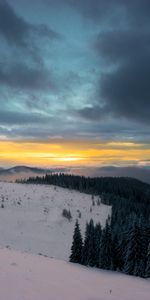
<point x="76" y="152"/>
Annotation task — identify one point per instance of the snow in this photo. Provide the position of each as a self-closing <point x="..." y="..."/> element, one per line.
<point x="30" y="277"/>
<point x="32" y="220"/>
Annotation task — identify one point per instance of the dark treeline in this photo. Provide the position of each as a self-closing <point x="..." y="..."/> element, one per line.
<point x="128" y="252"/>
<point x="124" y="244"/>
<point x="120" y="186"/>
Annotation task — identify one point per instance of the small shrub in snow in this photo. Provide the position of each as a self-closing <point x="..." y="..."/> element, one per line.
<point x="93" y="202"/>
<point x="66" y="214"/>
<point x="98" y="202"/>
<point x="79" y="213"/>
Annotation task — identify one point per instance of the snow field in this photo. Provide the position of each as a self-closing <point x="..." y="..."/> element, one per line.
<point x="32" y="220"/>
<point x="30" y="277"/>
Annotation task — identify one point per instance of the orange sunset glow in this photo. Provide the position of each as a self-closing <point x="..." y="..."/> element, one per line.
<point x="73" y="153"/>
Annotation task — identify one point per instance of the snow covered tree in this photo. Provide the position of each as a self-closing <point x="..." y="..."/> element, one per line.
<point x="76" y="248"/>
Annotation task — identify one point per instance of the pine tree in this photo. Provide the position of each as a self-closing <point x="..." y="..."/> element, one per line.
<point x="148" y="263"/>
<point x="116" y="256"/>
<point x="85" y="246"/>
<point x="91" y="246"/>
<point x="139" y="268"/>
<point x="105" y="257"/>
<point x="134" y="265"/>
<point x="140" y="264"/>
<point x="76" y="248"/>
<point x="98" y="233"/>
<point x="88" y="253"/>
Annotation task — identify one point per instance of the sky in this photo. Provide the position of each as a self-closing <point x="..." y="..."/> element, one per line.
<point x="75" y="83"/>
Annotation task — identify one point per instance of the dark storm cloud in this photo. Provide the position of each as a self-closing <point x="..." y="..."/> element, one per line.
<point x="124" y="84"/>
<point x="25" y="77"/>
<point x="16" y="31"/>
<point x="120" y="45"/>
<point x="93" y="113"/>
<point x="126" y="47"/>
<point x="123" y="46"/>
<point x="23" y="65"/>
<point x="101" y="10"/>
<point x="93" y="9"/>
<point x="86" y="89"/>
<point x="13" y="28"/>
<point x="14" y="118"/>
<point x="126" y="89"/>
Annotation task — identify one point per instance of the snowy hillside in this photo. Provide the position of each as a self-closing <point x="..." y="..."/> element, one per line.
<point x="30" y="277"/>
<point x="31" y="217"/>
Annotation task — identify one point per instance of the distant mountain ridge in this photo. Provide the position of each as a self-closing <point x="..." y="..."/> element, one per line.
<point x="23" y="172"/>
<point x="18" y="169"/>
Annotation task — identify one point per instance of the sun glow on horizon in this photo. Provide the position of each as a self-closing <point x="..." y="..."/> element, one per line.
<point x="84" y="153"/>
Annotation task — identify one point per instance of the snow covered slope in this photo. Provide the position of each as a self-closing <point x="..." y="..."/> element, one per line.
<point x="32" y="220"/>
<point x="29" y="277"/>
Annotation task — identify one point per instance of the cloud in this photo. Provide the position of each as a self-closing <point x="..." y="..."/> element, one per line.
<point x="20" y="118"/>
<point x="126" y="89"/>
<point x="91" y="9"/>
<point x="113" y="11"/>
<point x="12" y="27"/>
<point x="123" y="89"/>
<point x="119" y="45"/>
<point x="101" y="92"/>
<point x="18" y="32"/>
<point x="93" y="113"/>
<point x="23" y="76"/>
<point x="22" y="63"/>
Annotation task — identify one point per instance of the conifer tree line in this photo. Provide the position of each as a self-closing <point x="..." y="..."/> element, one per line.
<point x="125" y="187"/>
<point x="105" y="249"/>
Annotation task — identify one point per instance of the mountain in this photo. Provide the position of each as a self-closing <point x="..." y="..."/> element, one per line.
<point x="23" y="172"/>
<point x="139" y="172"/>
